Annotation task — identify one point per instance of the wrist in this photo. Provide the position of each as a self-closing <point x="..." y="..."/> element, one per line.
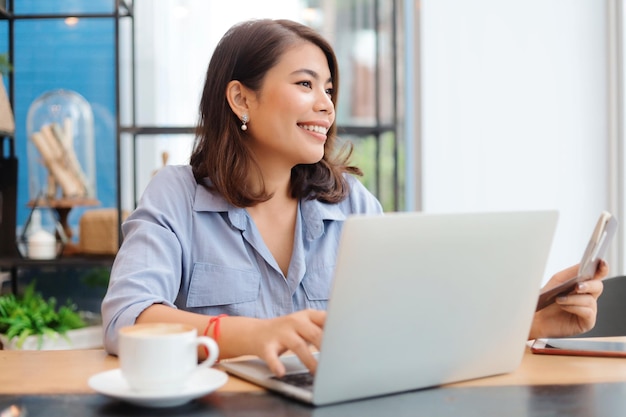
<point x="213" y="330"/>
<point x="239" y="336"/>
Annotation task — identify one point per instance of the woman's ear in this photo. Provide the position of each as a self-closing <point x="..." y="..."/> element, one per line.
<point x="238" y="97"/>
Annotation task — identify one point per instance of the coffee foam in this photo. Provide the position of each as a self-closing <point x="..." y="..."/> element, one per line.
<point x="155" y="329"/>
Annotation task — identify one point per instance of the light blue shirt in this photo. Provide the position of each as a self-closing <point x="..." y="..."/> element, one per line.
<point x="186" y="247"/>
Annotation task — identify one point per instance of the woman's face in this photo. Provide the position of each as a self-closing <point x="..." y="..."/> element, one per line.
<point x="291" y="114"/>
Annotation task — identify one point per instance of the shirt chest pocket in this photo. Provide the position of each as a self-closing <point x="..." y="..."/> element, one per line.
<point x="317" y="285"/>
<point x="223" y="289"/>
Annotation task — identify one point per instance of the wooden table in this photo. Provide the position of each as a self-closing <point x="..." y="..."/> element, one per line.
<point x="61" y="372"/>
<point x="551" y="380"/>
<point x="66" y="372"/>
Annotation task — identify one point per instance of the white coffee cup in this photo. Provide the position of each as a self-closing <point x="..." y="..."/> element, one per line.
<point x="160" y="357"/>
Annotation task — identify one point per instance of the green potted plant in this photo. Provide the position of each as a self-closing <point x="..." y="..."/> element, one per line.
<point x="31" y="322"/>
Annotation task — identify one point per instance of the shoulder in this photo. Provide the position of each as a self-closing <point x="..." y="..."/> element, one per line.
<point x="175" y="190"/>
<point x="171" y="190"/>
<point x="171" y="180"/>
<point x="360" y="200"/>
<point x="174" y="176"/>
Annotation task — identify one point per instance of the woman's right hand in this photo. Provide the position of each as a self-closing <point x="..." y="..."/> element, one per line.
<point x="266" y="338"/>
<point x="295" y="332"/>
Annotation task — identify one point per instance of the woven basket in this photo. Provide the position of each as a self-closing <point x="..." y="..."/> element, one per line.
<point x="99" y="231"/>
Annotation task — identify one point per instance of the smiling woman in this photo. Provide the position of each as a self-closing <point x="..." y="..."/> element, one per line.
<point x="250" y="228"/>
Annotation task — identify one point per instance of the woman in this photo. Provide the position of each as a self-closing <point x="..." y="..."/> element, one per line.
<point x="250" y="229"/>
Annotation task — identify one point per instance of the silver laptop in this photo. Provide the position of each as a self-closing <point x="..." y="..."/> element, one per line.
<point x="420" y="300"/>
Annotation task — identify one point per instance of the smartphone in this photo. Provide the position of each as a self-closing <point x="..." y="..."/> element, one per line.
<point x="595" y="251"/>
<point x="580" y="347"/>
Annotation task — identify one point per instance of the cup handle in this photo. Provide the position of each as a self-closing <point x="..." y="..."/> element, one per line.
<point x="214" y="351"/>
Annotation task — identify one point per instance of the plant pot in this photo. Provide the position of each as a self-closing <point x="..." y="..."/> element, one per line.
<point x="86" y="338"/>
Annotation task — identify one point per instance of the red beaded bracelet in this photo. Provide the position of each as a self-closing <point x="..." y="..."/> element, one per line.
<point x="216" y="331"/>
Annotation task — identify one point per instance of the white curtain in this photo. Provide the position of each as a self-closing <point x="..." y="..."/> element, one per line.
<point x="515" y="111"/>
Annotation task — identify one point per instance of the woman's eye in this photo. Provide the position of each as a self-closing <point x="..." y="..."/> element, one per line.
<point x="329" y="91"/>
<point x="306" y="84"/>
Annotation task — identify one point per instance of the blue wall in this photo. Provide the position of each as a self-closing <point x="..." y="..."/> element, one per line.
<point x="50" y="55"/>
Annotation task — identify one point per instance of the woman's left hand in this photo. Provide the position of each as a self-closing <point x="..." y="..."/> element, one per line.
<point x="572" y="313"/>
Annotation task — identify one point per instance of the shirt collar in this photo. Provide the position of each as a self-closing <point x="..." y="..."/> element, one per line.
<point x="313" y="212"/>
<point x="209" y="200"/>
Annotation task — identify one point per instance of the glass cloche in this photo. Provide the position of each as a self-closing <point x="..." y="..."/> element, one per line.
<point x="61" y="154"/>
<point x="61" y="158"/>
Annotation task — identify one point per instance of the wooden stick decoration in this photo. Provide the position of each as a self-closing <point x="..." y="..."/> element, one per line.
<point x="52" y="154"/>
<point x="71" y="161"/>
<point x="164" y="157"/>
<point x="52" y="186"/>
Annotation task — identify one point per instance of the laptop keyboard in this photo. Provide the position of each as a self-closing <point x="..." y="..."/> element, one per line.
<point x="302" y="380"/>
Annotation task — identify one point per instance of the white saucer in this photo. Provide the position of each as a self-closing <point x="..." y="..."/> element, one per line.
<point x="201" y="382"/>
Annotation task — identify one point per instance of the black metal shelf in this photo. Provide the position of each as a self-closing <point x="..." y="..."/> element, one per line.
<point x="71" y="260"/>
<point x="10" y="260"/>
<point x="158" y="130"/>
<point x="13" y="264"/>
<point x="182" y="130"/>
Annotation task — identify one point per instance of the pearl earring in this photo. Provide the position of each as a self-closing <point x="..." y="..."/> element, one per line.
<point x="244" y="120"/>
